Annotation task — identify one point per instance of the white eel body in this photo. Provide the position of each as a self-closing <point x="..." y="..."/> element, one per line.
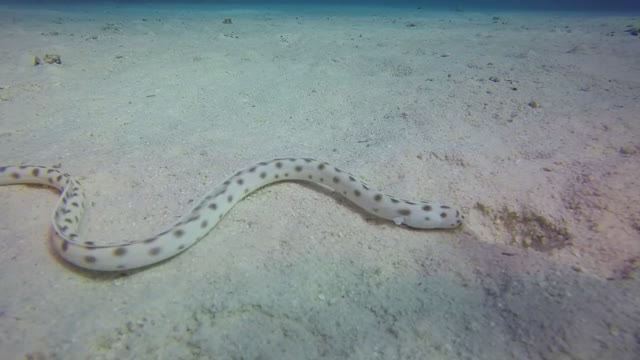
<point x="207" y="212"/>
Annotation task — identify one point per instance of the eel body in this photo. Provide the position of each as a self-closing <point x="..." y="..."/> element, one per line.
<point x="212" y="207"/>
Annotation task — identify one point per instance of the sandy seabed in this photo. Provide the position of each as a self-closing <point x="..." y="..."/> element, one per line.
<point x="529" y="122"/>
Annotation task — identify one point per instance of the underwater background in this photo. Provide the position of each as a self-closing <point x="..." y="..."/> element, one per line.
<point x="522" y="117"/>
<point x="621" y="5"/>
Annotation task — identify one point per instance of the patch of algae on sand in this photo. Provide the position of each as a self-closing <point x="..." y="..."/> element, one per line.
<point x="528" y="228"/>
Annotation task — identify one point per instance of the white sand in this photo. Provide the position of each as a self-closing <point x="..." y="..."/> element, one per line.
<point x="152" y="106"/>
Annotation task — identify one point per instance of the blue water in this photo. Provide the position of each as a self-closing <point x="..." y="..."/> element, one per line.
<point x="574" y="5"/>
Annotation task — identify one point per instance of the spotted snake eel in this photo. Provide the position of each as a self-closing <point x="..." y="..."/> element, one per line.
<point x="210" y="209"/>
